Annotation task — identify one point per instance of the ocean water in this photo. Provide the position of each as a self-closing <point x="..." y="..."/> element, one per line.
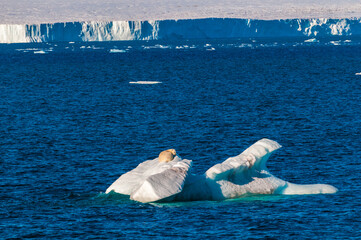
<point x="71" y="123"/>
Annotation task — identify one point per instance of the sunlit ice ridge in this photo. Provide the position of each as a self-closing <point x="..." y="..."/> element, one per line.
<point x="207" y="28"/>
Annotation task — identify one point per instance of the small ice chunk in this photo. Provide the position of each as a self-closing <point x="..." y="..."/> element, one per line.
<point x="39" y="52"/>
<point x="145" y="82"/>
<point x="161" y="46"/>
<point x="117" y="51"/>
<point x="336" y="43"/>
<point x="311" y="40"/>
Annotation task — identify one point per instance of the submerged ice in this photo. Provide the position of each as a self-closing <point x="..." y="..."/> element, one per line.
<point x="177" y="29"/>
<point x="237" y="176"/>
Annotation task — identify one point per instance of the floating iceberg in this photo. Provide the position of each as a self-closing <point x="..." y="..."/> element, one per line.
<point x="237" y="176"/>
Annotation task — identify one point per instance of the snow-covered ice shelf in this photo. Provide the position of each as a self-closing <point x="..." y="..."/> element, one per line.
<point x="177" y="29"/>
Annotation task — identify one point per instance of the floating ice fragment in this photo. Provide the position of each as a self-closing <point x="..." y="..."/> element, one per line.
<point x="117" y="51"/>
<point x="311" y="40"/>
<point x="336" y="43"/>
<point x="39" y="52"/>
<point x="237" y="176"/>
<point x="161" y="46"/>
<point x="243" y="45"/>
<point x="27" y="49"/>
<point x="145" y="82"/>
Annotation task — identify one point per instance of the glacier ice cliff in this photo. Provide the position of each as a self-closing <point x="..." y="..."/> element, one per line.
<point x="245" y="174"/>
<point x="177" y="29"/>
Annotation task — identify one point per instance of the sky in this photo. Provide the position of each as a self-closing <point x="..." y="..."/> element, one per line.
<point x="50" y="11"/>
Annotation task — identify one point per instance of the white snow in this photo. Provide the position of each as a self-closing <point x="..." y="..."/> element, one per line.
<point x="153" y="180"/>
<point x="130" y="181"/>
<point x="165" y="184"/>
<point x="50" y="11"/>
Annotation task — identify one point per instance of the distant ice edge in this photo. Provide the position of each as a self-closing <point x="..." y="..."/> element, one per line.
<point x="176" y="29"/>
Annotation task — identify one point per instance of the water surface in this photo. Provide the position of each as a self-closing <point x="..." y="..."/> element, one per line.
<point x="71" y="124"/>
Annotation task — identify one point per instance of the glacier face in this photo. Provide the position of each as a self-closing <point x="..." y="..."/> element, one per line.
<point x="177" y="29"/>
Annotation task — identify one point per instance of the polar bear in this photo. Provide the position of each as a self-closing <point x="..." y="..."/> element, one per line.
<point x="167" y="155"/>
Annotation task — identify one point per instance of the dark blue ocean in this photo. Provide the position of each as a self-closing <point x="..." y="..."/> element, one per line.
<point x="71" y="123"/>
